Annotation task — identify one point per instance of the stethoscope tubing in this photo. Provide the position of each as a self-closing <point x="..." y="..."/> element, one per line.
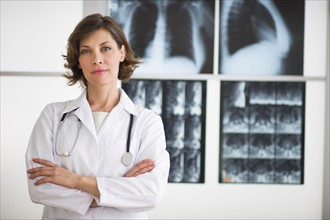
<point x="128" y="143"/>
<point x="66" y="153"/>
<point x="126" y="159"/>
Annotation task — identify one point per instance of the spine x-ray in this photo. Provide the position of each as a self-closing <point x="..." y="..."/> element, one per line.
<point x="181" y="104"/>
<point x="261" y="37"/>
<point x="262" y="132"/>
<point x="170" y="36"/>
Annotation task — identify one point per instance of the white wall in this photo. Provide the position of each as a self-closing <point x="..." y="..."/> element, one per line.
<point x="33" y="37"/>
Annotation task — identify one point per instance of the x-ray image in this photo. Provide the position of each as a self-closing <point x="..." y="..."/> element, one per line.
<point x="262" y="93"/>
<point x="288" y="146"/>
<point x="262" y="119"/>
<point x="137" y="92"/>
<point x="181" y="104"/>
<point x="289" y="119"/>
<point x="235" y="145"/>
<point x="261" y="146"/>
<point x="154" y="96"/>
<point x="170" y="36"/>
<point x="175" y="98"/>
<point x="191" y="165"/>
<point x="234" y="170"/>
<point x="289" y="94"/>
<point x="261" y="37"/>
<point x="262" y="128"/>
<point x="288" y="171"/>
<point x="194" y="98"/>
<point x="235" y="119"/>
<point x="261" y="171"/>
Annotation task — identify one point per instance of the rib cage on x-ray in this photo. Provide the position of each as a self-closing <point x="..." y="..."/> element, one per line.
<point x="144" y="23"/>
<point x="262" y="132"/>
<point x="180" y="104"/>
<point x="143" y="26"/>
<point x="255" y="37"/>
<point x="170" y="36"/>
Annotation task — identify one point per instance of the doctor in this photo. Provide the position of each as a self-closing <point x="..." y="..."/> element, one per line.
<point x="98" y="156"/>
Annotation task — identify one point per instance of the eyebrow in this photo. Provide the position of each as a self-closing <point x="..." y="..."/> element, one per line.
<point x="106" y="42"/>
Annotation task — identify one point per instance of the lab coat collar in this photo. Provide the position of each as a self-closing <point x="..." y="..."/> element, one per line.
<point x="124" y="102"/>
<point x="81" y="108"/>
<point x="76" y="103"/>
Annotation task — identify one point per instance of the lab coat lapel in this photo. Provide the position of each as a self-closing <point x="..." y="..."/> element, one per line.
<point x="127" y="103"/>
<point x="83" y="111"/>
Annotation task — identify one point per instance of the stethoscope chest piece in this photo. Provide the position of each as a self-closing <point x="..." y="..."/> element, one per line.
<point x="127" y="159"/>
<point x="65" y="154"/>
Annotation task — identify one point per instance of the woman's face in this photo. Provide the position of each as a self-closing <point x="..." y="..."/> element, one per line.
<point x="99" y="58"/>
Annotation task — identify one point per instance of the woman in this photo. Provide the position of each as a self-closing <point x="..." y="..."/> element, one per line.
<point x="77" y="159"/>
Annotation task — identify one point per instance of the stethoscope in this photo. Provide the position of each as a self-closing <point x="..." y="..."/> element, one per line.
<point x="126" y="159"/>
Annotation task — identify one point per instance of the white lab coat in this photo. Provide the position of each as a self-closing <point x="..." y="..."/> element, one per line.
<point x="99" y="154"/>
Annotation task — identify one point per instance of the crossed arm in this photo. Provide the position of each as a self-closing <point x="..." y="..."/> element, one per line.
<point x="52" y="173"/>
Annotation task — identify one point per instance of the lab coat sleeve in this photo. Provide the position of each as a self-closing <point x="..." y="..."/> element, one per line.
<point x="41" y="146"/>
<point x="141" y="193"/>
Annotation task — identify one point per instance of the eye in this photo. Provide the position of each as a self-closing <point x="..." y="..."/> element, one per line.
<point x="84" y="51"/>
<point x="106" y="48"/>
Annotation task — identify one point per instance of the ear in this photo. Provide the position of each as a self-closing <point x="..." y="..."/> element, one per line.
<point x="122" y="53"/>
<point x="79" y="66"/>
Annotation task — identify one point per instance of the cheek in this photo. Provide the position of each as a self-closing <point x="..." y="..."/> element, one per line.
<point x="82" y="63"/>
<point x="79" y="63"/>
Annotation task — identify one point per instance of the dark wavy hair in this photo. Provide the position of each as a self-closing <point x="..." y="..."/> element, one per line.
<point x="85" y="28"/>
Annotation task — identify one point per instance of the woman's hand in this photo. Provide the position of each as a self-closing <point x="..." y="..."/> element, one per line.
<point x="141" y="167"/>
<point x="52" y="173"/>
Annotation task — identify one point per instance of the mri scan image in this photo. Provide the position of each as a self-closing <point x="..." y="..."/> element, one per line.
<point x="154" y="96"/>
<point x="288" y="146"/>
<point x="234" y="170"/>
<point x="262" y="119"/>
<point x="262" y="146"/>
<point x="288" y="171"/>
<point x="261" y="171"/>
<point x="261" y="127"/>
<point x="235" y="145"/>
<point x="181" y="104"/>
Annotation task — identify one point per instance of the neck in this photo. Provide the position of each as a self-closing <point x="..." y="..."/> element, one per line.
<point x="102" y="100"/>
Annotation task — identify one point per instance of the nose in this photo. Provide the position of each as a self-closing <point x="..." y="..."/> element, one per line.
<point x="98" y="59"/>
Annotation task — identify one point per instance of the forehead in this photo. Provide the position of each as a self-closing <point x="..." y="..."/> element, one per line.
<point x="97" y="37"/>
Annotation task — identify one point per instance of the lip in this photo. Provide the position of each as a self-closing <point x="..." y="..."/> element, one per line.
<point x="99" y="71"/>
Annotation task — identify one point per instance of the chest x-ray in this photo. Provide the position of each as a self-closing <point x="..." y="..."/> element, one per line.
<point x="262" y="37"/>
<point x="170" y="36"/>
